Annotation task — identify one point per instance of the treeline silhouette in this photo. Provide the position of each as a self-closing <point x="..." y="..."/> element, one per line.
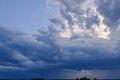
<point x="85" y="78"/>
<point x="37" y="79"/>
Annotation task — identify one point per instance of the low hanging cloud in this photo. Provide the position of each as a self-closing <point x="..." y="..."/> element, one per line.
<point x="82" y="36"/>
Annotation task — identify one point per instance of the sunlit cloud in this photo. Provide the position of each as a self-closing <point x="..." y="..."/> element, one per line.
<point x="78" y="41"/>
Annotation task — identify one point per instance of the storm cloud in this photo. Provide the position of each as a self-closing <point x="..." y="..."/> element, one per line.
<point x="84" y="36"/>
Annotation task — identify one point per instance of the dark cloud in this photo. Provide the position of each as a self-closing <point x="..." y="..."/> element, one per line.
<point x="41" y="52"/>
<point x="48" y="52"/>
<point x="110" y="9"/>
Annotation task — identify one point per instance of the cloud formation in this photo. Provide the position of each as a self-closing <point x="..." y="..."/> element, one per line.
<point x="82" y="36"/>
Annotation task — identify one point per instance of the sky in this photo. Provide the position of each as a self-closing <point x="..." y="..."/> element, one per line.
<point x="59" y="39"/>
<point x="23" y="15"/>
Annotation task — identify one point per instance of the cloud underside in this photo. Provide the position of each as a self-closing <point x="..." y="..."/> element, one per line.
<point x="82" y="36"/>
